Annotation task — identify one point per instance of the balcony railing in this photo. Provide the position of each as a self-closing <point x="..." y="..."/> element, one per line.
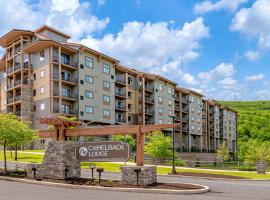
<point x="149" y="112"/>
<point x="68" y="79"/>
<point x="9" y="70"/>
<point x="149" y="100"/>
<point x="68" y="112"/>
<point x="9" y="100"/>
<point x="185" y="109"/>
<point x="149" y="88"/>
<point x="177" y="108"/>
<point x="17" y="66"/>
<point x="120" y="120"/>
<point x="18" y="113"/>
<point x="18" y="98"/>
<point x="70" y="96"/>
<point x="17" y="82"/>
<point x="120" y="107"/>
<point x="120" y="94"/>
<point x="177" y="98"/>
<point x="120" y="80"/>
<point x="185" y="100"/>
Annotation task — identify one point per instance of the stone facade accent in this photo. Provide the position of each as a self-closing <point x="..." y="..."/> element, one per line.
<point x="27" y="103"/>
<point x="59" y="155"/>
<point x="147" y="176"/>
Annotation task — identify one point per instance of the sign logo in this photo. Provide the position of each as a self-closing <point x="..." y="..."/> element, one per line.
<point x="102" y="151"/>
<point x="83" y="151"/>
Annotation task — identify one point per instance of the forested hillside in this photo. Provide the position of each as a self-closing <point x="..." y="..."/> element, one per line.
<point x="253" y="126"/>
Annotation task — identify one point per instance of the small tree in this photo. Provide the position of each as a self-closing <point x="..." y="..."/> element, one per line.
<point x="22" y="135"/>
<point x="13" y="132"/>
<point x="223" y="152"/>
<point x="158" y="146"/>
<point x="125" y="138"/>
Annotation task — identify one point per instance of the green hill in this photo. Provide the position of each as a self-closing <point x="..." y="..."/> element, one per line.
<point x="253" y="123"/>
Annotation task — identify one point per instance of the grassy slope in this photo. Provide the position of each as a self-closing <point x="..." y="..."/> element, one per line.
<point x="244" y="106"/>
<point x="115" y="167"/>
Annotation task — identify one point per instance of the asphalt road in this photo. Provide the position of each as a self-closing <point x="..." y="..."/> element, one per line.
<point x="220" y="189"/>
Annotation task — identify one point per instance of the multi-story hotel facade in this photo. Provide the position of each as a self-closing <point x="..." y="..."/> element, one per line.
<point x="42" y="74"/>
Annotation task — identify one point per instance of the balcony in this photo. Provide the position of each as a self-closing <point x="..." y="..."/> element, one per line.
<point x="17" y="82"/>
<point x="10" y="86"/>
<point x="120" y="94"/>
<point x="120" y="108"/>
<point x="68" y="112"/>
<point x="149" y="100"/>
<point x="17" y="98"/>
<point x="9" y="100"/>
<point x="120" y="120"/>
<point x="177" y="98"/>
<point x="17" y="67"/>
<point x="185" y="119"/>
<point x="185" y="109"/>
<point x="149" y="112"/>
<point x="69" y="80"/>
<point x="149" y="89"/>
<point x="9" y="70"/>
<point x="177" y="118"/>
<point x="120" y="80"/>
<point x="185" y="129"/>
<point x="69" y="97"/>
<point x="177" y="108"/>
<point x="185" y="100"/>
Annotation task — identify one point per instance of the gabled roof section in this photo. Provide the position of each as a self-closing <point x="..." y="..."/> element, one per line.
<point x="39" y="45"/>
<point x="46" y="27"/>
<point x="161" y="78"/>
<point x="11" y="35"/>
<point x="126" y="69"/>
<point x="195" y="92"/>
<point x="92" y="51"/>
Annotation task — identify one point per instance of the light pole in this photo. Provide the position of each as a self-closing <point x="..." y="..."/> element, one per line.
<point x="173" y="141"/>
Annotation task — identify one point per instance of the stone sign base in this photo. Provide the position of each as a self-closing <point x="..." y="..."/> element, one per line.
<point x="59" y="156"/>
<point x="147" y="176"/>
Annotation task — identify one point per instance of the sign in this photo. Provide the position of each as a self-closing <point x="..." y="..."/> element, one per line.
<point x="102" y="151"/>
<point x="261" y="167"/>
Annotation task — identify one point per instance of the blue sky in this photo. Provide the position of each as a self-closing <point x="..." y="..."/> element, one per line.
<point x="217" y="47"/>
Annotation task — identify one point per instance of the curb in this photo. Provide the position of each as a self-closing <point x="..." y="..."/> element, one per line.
<point x="137" y="190"/>
<point x="212" y="178"/>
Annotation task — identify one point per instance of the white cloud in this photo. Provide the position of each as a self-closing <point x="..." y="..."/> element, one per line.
<point x="208" y="6"/>
<point x="254" y="22"/>
<point x="189" y="79"/>
<point x="252" y="55"/>
<point x="228" y="83"/>
<point x="221" y="70"/>
<point x="73" y="17"/>
<point x="153" y="47"/>
<point x="255" y="77"/>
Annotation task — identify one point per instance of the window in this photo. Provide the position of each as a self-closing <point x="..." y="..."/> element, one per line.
<point x="34" y="77"/>
<point x="129" y="118"/>
<point x="160" y="99"/>
<point x="160" y="121"/>
<point x="129" y="80"/>
<point x="192" y="99"/>
<point x="160" y="110"/>
<point x="42" y="106"/>
<point x="199" y="120"/>
<point x="106" y="99"/>
<point x="34" y="92"/>
<point x="81" y="82"/>
<point x="106" y="113"/>
<point x="89" y="62"/>
<point x="169" y="90"/>
<point x="129" y="94"/>
<point x="129" y="106"/>
<point x="89" y="94"/>
<point x="169" y="112"/>
<point x="81" y="97"/>
<point x="41" y="56"/>
<point x="192" y="109"/>
<point x="89" y="109"/>
<point x="42" y="90"/>
<point x="106" y="85"/>
<point x="66" y="92"/>
<point x="42" y="73"/>
<point x="82" y="113"/>
<point x="199" y="102"/>
<point x="192" y="119"/>
<point x="192" y="127"/>
<point x="169" y="102"/>
<point x="106" y="69"/>
<point x="160" y="86"/>
<point x="199" y="128"/>
<point x="89" y="79"/>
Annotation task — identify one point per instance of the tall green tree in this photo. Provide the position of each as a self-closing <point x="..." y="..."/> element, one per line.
<point x="13" y="132"/>
<point x="158" y="146"/>
<point x="256" y="151"/>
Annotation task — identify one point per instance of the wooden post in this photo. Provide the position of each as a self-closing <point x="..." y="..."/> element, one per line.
<point x="139" y="146"/>
<point x="61" y="133"/>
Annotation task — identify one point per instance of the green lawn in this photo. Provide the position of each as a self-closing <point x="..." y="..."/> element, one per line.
<point x="115" y="167"/>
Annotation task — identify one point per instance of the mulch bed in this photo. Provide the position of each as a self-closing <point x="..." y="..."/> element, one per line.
<point x="104" y="183"/>
<point x="209" y="175"/>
